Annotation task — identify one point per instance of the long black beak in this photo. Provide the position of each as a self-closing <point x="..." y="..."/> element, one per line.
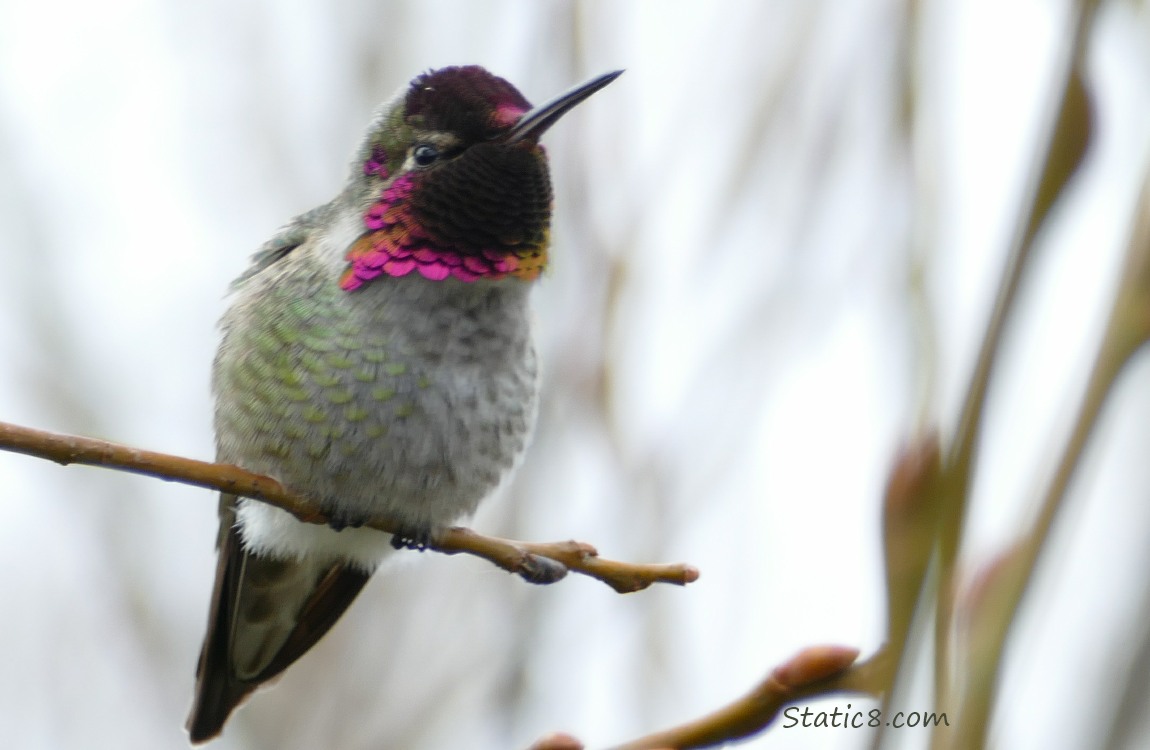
<point x="534" y="123"/>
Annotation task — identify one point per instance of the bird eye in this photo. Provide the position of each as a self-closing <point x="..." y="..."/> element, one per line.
<point x="424" y="154"/>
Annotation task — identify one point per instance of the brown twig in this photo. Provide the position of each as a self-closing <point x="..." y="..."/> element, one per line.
<point x="557" y="741"/>
<point x="818" y="670"/>
<point x="533" y="561"/>
<point x="1063" y="147"/>
<point x="997" y="597"/>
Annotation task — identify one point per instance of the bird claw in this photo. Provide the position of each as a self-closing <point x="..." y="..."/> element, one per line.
<point x="339" y="520"/>
<point x="416" y="539"/>
<point x="406" y="538"/>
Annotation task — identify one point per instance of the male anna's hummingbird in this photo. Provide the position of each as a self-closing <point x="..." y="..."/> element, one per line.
<point x="377" y="358"/>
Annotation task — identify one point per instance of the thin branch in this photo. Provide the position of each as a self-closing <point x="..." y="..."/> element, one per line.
<point x="1063" y="147"/>
<point x="557" y="741"/>
<point x="533" y="561"/>
<point x="814" y="671"/>
<point x="1000" y="595"/>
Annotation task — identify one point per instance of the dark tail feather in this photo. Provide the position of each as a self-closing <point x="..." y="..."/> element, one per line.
<point x="218" y="688"/>
<point x="217" y="695"/>
<point x="331" y="598"/>
<point x="218" y="692"/>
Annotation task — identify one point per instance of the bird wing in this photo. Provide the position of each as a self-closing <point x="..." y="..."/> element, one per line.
<point x="288" y="238"/>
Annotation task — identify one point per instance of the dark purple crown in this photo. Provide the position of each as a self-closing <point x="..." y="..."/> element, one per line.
<point x="467" y="101"/>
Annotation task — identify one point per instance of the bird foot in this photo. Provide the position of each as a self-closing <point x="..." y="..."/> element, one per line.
<point x="416" y="539"/>
<point x="339" y="520"/>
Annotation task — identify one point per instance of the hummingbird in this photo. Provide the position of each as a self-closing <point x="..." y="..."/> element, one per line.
<point x="377" y="358"/>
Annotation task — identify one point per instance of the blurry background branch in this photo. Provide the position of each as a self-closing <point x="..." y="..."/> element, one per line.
<point x="995" y="603"/>
<point x="817" y="670"/>
<point x="1063" y="144"/>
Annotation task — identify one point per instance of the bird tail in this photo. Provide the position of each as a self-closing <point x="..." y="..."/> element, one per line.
<point x="265" y="614"/>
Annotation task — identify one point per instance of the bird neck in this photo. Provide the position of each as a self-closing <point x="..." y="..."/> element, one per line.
<point x="407" y="229"/>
